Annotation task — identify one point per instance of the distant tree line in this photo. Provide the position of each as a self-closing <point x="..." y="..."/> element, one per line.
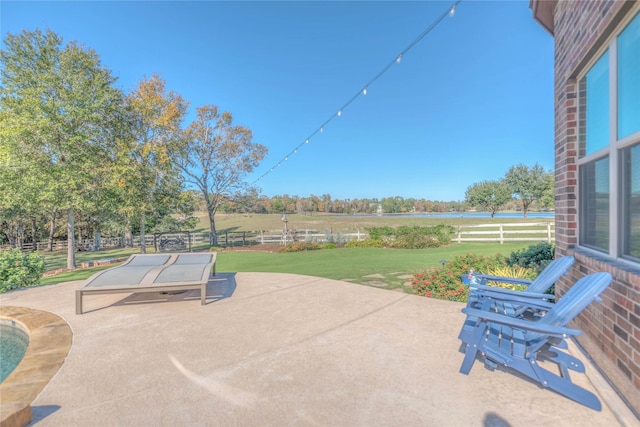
<point x="523" y="188"/>
<point x="313" y="204"/>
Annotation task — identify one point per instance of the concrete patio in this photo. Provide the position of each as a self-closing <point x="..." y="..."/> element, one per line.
<point x="285" y="350"/>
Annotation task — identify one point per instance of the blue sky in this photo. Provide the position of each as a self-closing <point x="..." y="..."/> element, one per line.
<point x="471" y="99"/>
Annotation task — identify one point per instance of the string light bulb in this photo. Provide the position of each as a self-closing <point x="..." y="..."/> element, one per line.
<point x="322" y="129"/>
<point x="399" y="58"/>
<point x="306" y="141"/>
<point x="452" y="11"/>
<point x="339" y="113"/>
<point x="364" y="91"/>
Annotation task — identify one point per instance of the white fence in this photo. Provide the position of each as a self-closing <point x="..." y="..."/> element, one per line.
<point x="516" y="232"/>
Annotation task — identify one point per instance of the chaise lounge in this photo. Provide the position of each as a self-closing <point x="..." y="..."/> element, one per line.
<point x="152" y="273"/>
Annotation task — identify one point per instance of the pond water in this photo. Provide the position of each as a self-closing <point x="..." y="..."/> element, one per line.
<point x="548" y="215"/>
<point x="13" y="345"/>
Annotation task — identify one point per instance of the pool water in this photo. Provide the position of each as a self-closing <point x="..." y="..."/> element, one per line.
<point x="13" y="344"/>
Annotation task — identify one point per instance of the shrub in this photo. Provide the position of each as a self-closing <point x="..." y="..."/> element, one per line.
<point x="377" y="233"/>
<point x="414" y="241"/>
<point x="441" y="284"/>
<point x="368" y="243"/>
<point x="19" y="269"/>
<point x="300" y="247"/>
<point x="445" y="283"/>
<point x="412" y="237"/>
<point x="535" y="257"/>
<point x="328" y="246"/>
<point x="334" y="238"/>
<point x="480" y="263"/>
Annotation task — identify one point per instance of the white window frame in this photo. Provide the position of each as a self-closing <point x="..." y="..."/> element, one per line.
<point x="613" y="149"/>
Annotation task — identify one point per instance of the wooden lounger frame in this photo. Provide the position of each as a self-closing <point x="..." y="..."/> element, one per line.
<point x="148" y="284"/>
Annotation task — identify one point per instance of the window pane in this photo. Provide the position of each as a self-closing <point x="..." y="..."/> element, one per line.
<point x="596" y="106"/>
<point x="594" y="204"/>
<point x="629" y="79"/>
<point x="631" y="201"/>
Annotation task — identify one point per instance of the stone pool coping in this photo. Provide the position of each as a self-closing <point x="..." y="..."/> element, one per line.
<point x="50" y="339"/>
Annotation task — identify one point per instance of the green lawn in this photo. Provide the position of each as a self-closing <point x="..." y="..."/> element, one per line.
<point x="354" y="264"/>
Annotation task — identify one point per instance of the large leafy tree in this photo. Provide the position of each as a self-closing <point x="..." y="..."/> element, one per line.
<point x="145" y="169"/>
<point x="490" y="196"/>
<point x="215" y="156"/>
<point x="529" y="184"/>
<point x="58" y="102"/>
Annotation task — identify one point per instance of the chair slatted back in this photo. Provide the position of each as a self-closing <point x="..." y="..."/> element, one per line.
<point x="551" y="274"/>
<point x="582" y="293"/>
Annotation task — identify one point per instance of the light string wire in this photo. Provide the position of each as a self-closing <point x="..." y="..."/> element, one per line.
<point x="396" y="60"/>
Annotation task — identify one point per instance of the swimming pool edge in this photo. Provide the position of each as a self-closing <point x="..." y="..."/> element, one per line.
<point x="50" y="339"/>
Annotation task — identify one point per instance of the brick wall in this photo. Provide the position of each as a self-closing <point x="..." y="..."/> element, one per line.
<point x="612" y="328"/>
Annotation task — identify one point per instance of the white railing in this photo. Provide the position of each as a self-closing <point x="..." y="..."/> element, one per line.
<point x="516" y="232"/>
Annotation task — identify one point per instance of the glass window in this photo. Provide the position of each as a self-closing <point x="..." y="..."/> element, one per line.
<point x="596" y="106"/>
<point x="594" y="204"/>
<point x="631" y="201"/>
<point x="609" y="137"/>
<point x="629" y="79"/>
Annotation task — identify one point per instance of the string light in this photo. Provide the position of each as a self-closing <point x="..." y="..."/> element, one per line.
<point x="450" y="12"/>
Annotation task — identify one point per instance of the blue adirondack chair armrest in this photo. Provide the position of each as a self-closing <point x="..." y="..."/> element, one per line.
<point x="502" y="279"/>
<point x="523" y="325"/>
<point x="524" y="302"/>
<point x="509" y="293"/>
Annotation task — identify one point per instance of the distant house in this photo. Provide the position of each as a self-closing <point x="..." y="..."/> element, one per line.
<point x="597" y="170"/>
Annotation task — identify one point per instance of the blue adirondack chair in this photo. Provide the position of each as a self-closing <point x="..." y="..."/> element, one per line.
<point x="519" y="343"/>
<point x="512" y="303"/>
<point x="491" y="297"/>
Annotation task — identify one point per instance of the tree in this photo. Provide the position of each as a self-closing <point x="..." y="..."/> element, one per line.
<point x="155" y="116"/>
<point x="547" y="201"/>
<point x="529" y="184"/>
<point x="57" y="103"/>
<point x="215" y="155"/>
<point x="490" y="196"/>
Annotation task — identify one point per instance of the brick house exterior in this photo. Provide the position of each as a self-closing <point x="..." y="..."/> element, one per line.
<point x="582" y="30"/>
